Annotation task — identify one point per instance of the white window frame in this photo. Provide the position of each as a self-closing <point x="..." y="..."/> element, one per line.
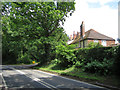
<point x="104" y="43"/>
<point x="96" y="41"/>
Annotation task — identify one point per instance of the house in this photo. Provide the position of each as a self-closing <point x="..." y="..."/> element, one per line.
<point x="91" y="35"/>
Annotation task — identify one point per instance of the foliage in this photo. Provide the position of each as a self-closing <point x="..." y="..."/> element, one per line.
<point x="24" y="59"/>
<point x="81" y="54"/>
<point x="33" y="28"/>
<point x="66" y="55"/>
<point x="88" y="54"/>
<point x="103" y="68"/>
<point x="31" y="31"/>
<point x="94" y="45"/>
<point x="102" y="60"/>
<point x="116" y="65"/>
<point x="79" y="64"/>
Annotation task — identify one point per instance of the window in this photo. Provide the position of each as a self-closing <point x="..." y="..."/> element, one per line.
<point x="104" y="42"/>
<point x="96" y="41"/>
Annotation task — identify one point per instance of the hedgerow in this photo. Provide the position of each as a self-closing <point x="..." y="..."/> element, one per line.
<point x="101" y="60"/>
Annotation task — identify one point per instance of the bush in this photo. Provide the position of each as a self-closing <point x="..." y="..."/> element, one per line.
<point x="103" y="68"/>
<point x="102" y="60"/>
<point x="79" y="64"/>
<point x="116" y="64"/>
<point x="81" y="54"/>
<point x="94" y="44"/>
<point x="90" y="54"/>
<point x="24" y="59"/>
<point x="8" y="56"/>
<point x="66" y="55"/>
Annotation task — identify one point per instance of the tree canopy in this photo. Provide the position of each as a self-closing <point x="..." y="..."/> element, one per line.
<point x="32" y="30"/>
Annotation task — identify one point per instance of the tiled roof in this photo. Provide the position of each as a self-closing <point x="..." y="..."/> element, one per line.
<point x="92" y="34"/>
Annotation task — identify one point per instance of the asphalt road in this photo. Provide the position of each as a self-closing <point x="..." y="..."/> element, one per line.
<point x="19" y="77"/>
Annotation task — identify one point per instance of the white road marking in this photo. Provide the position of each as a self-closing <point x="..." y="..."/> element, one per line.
<point x="70" y="79"/>
<point x="49" y="84"/>
<point x="4" y="83"/>
<point x="20" y="72"/>
<point x="37" y="80"/>
<point x="1" y="80"/>
<point x="60" y="85"/>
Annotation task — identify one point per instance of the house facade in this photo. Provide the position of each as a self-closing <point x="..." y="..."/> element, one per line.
<point x="84" y="38"/>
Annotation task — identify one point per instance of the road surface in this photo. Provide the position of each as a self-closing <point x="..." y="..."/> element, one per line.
<point x="21" y="78"/>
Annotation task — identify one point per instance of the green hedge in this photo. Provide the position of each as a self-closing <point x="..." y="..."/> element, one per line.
<point x="89" y="54"/>
<point x="102" y="60"/>
<point x="116" y="66"/>
<point x="65" y="55"/>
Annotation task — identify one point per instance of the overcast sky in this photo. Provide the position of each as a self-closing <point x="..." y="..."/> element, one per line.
<point x="100" y="15"/>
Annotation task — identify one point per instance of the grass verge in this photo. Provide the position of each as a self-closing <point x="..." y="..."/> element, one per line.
<point x="78" y="74"/>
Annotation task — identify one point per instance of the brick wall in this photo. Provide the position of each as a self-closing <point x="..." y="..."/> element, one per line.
<point x="110" y="42"/>
<point x="100" y="41"/>
<point x="90" y="41"/>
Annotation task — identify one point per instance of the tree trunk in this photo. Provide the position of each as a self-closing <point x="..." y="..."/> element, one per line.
<point x="47" y="52"/>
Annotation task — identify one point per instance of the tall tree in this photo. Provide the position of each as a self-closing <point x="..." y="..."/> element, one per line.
<point x="33" y="28"/>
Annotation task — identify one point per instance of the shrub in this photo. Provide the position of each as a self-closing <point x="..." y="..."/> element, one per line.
<point x="79" y="64"/>
<point x="66" y="55"/>
<point x="103" y="68"/>
<point x="81" y="54"/>
<point x="116" y="64"/>
<point x="24" y="59"/>
<point x="94" y="44"/>
<point x="102" y="60"/>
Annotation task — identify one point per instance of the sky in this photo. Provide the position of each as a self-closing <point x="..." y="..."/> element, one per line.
<point x="119" y="20"/>
<point x="100" y="15"/>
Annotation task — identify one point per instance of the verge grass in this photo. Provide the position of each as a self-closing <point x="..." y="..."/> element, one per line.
<point x="77" y="73"/>
<point x="71" y="71"/>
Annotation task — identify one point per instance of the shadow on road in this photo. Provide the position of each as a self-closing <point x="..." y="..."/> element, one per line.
<point x="9" y="67"/>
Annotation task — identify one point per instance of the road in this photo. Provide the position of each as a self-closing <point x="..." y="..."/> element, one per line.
<point x="23" y="78"/>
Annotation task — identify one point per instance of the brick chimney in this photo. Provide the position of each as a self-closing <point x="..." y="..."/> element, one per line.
<point x="71" y="37"/>
<point x="78" y="34"/>
<point x="74" y="35"/>
<point x="82" y="29"/>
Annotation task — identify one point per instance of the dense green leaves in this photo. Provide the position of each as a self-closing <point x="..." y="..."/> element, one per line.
<point x="94" y="44"/>
<point x="103" y="68"/>
<point x="32" y="29"/>
<point x="65" y="55"/>
<point x="102" y="60"/>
